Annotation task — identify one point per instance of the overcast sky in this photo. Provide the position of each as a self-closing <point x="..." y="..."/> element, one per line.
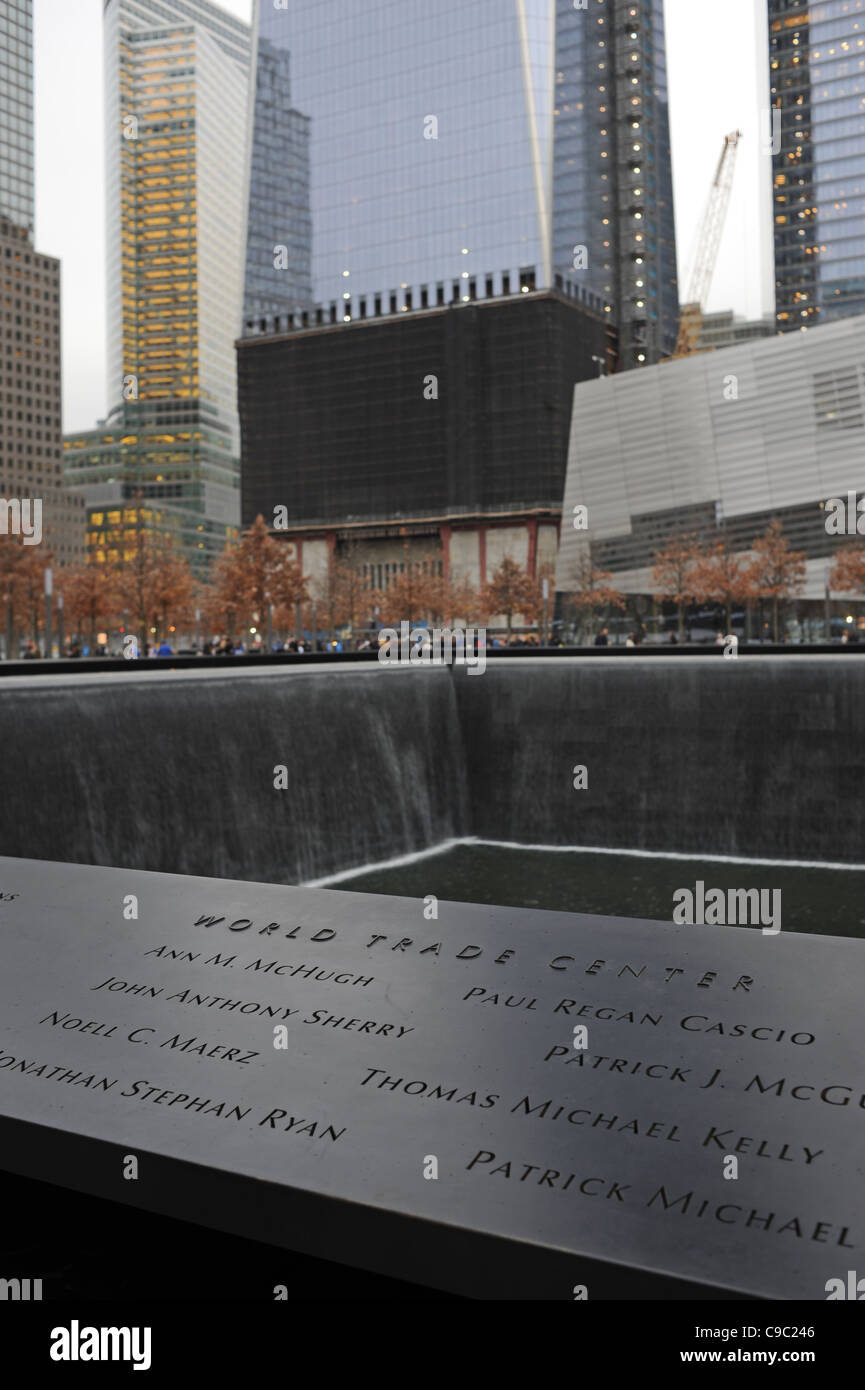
<point x="718" y="77"/>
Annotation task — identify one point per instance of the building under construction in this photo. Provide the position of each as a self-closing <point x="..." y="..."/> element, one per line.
<point x="441" y="432"/>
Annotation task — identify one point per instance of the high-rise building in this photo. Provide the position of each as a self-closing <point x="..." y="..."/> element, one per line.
<point x="450" y="153"/>
<point x="176" y="117"/>
<point x="612" y="169"/>
<point x="817" y="78"/>
<point x="31" y="470"/>
<point x="279" y="244"/>
<point x="16" y="112"/>
<point x="439" y="433"/>
<point x="30" y="449"/>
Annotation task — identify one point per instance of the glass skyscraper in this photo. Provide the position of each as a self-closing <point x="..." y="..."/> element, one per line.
<point x="817" y="75"/>
<point x="278" y="269"/>
<point x="16" y="112"/>
<point x="452" y="152"/>
<point x="176" y="113"/>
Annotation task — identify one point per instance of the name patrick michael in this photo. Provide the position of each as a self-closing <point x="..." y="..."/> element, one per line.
<point x="663" y="1199"/>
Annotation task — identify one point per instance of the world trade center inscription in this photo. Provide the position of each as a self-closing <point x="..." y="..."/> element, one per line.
<point x="497" y="1102"/>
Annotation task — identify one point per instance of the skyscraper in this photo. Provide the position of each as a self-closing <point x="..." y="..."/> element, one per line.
<point x="817" y="79"/>
<point x="176" y="114"/>
<point x="30" y="384"/>
<point x="16" y="112"/>
<point x="612" y="170"/>
<point x="279" y="244"/>
<point x="470" y="151"/>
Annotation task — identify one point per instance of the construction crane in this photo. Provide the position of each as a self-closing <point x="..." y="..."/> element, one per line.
<point x="706" y="252"/>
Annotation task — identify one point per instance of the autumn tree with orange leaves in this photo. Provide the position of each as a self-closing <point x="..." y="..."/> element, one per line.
<point x="89" y="598"/>
<point x="673" y="575"/>
<point x="776" y="572"/>
<point x="591" y="589"/>
<point x="256" y="572"/>
<point x="152" y="583"/>
<point x="848" y="570"/>
<point x="344" y="594"/>
<point x="22" y="588"/>
<point x="413" y="595"/>
<point x="511" y="591"/>
<point x="721" y="576"/>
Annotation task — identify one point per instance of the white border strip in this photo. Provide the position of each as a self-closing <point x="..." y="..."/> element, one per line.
<point x="405" y="859"/>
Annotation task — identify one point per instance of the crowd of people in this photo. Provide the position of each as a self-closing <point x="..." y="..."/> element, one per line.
<point x="223" y="645"/>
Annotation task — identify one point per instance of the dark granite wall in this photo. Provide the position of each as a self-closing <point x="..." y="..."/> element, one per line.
<point x="174" y="772"/>
<point x="754" y="757"/>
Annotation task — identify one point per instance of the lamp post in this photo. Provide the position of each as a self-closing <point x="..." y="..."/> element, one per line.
<point x="49" y="593"/>
<point x="60" y="624"/>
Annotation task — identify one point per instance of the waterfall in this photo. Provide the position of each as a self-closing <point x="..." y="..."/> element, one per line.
<point x="758" y="756"/>
<point x="174" y="771"/>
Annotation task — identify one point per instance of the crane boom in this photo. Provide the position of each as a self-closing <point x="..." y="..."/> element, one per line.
<point x="706" y="250"/>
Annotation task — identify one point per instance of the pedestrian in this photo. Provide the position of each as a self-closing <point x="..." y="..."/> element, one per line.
<point x="603" y="638"/>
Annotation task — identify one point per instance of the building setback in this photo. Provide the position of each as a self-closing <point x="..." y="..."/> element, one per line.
<point x="443" y="430"/>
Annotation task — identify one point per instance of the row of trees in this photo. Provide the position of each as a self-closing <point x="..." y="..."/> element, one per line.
<point x="152" y="592"/>
<point x="690" y="571"/>
<point x="687" y="572"/>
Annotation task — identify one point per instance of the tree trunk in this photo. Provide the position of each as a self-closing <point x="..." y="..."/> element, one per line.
<point x="775" y="616"/>
<point x="681" y="623"/>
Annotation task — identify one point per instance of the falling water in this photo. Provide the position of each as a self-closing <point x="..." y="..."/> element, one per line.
<point x="175" y="771"/>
